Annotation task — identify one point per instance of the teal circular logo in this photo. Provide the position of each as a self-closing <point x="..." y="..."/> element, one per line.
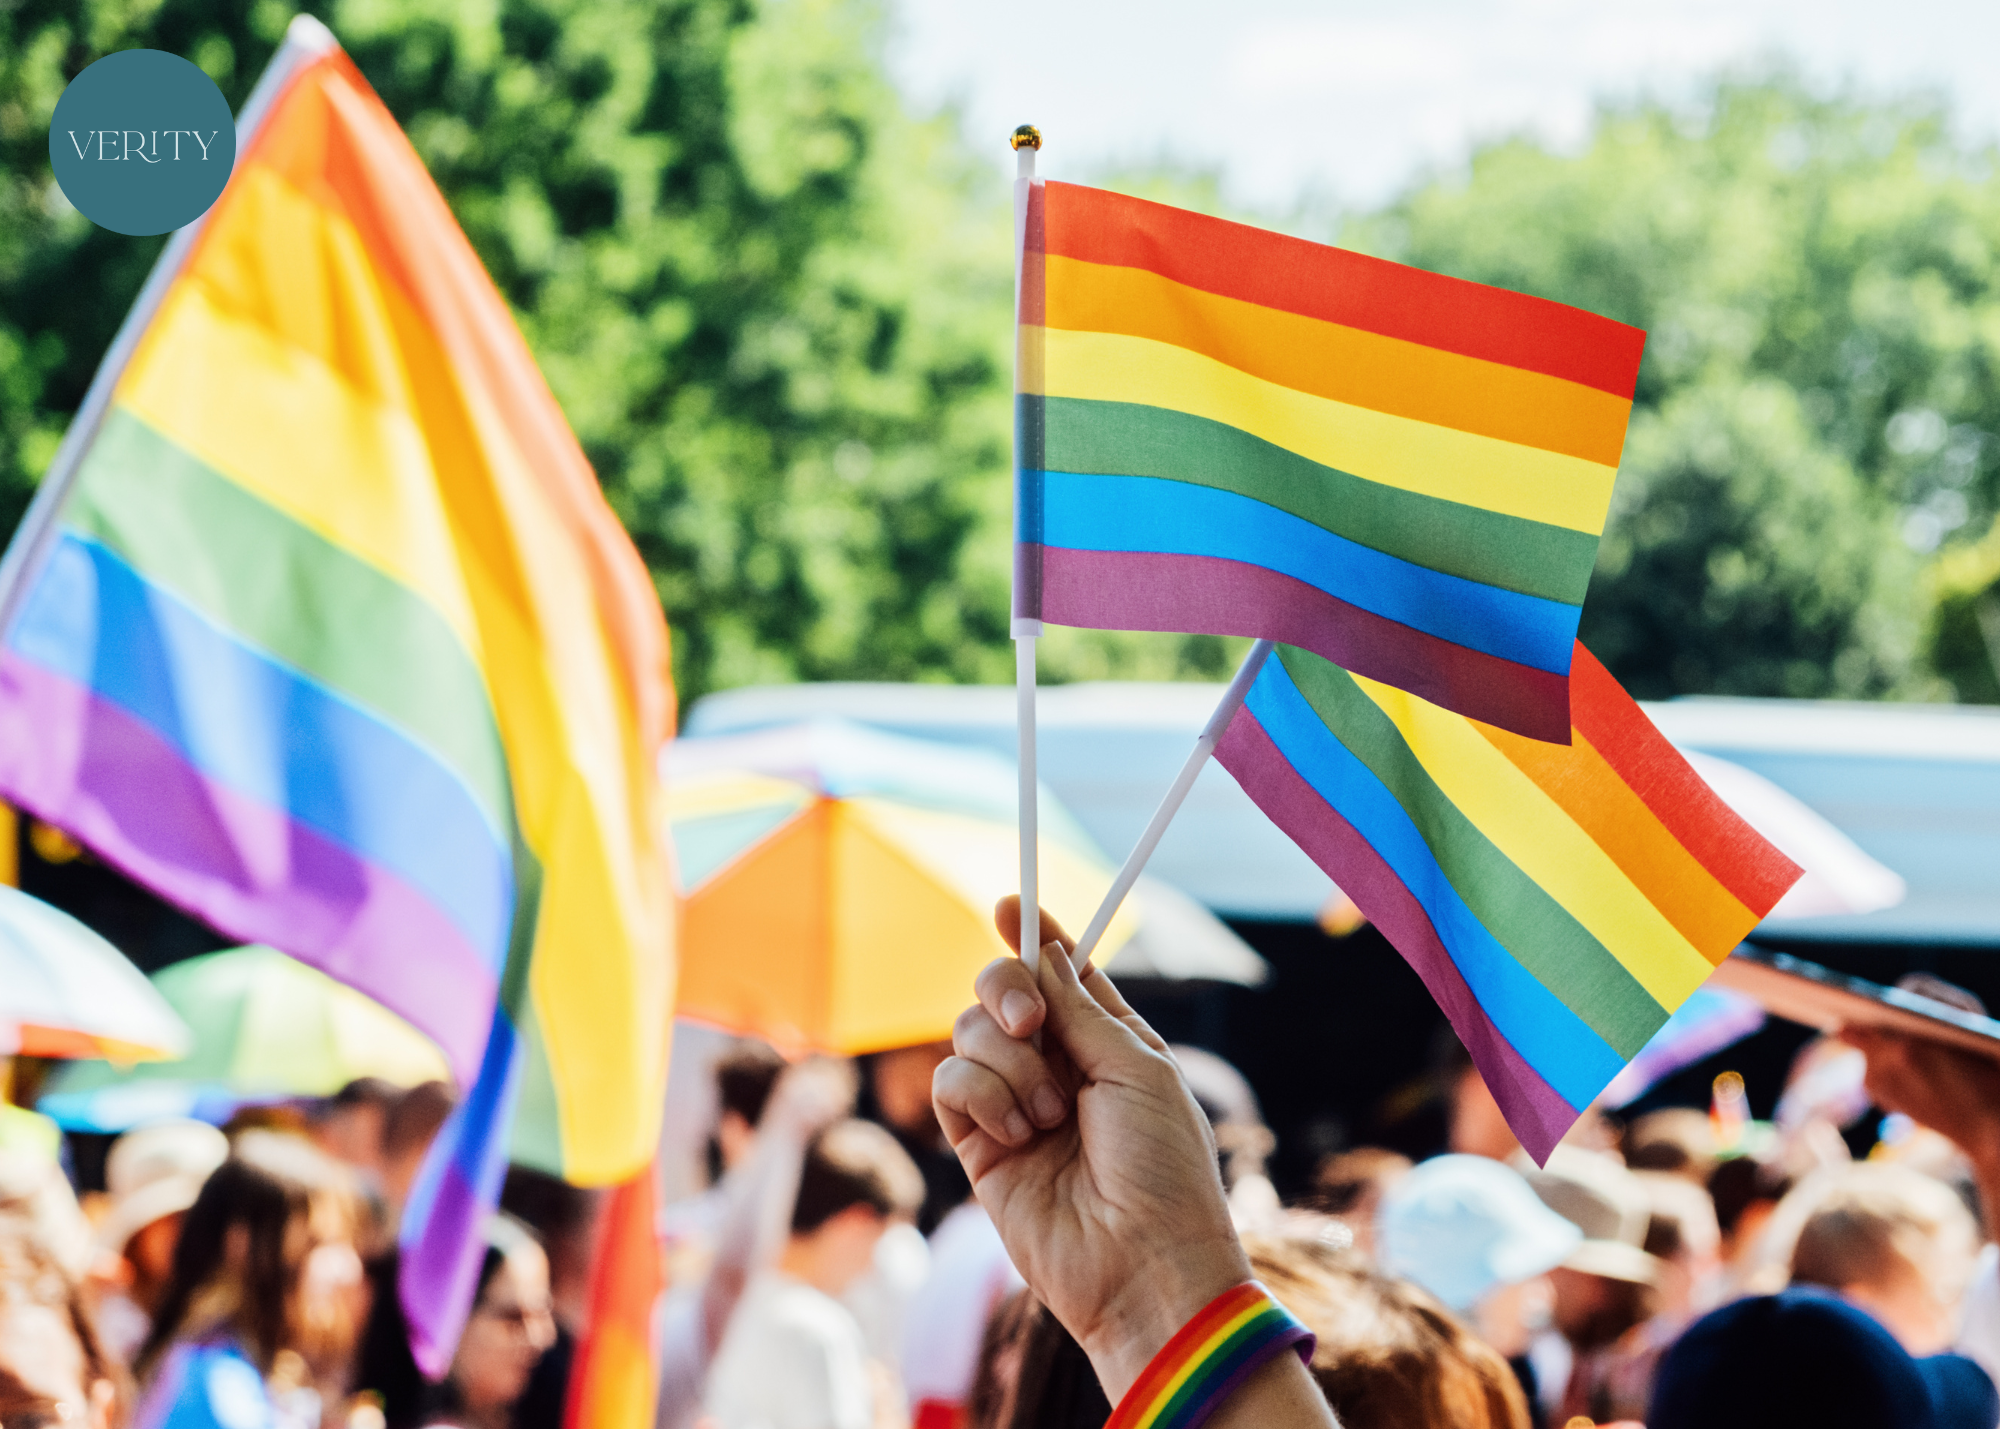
<point x="142" y="142"/>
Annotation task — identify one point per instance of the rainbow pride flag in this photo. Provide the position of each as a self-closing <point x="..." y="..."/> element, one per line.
<point x="1229" y="431"/>
<point x="336" y="644"/>
<point x="1560" y="901"/>
<point x="613" y="1382"/>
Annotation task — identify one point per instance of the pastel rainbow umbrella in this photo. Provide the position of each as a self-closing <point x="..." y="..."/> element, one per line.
<point x="265" y="1027"/>
<point x="840" y="882"/>
<point x="66" y="992"/>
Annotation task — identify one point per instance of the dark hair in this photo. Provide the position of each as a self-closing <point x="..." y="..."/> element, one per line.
<point x="744" y="1077"/>
<point x="855" y="1163"/>
<point x="415" y="1117"/>
<point x="1741" y="1182"/>
<point x="365" y="1091"/>
<point x="31" y="1276"/>
<point x="269" y="1186"/>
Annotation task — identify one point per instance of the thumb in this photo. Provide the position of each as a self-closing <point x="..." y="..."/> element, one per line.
<point x="1102" y="1047"/>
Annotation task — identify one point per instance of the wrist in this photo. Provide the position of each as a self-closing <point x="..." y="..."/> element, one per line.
<point x="1153" y="1304"/>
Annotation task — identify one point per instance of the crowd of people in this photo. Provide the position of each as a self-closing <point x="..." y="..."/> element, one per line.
<point x="1003" y="1231"/>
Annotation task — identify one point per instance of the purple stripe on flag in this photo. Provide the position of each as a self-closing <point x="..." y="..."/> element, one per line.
<point x="441" y="1239"/>
<point x="1141" y="590"/>
<point x="246" y="868"/>
<point x="1529" y="1103"/>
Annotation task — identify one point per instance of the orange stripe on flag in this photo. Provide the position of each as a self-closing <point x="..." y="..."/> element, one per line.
<point x="613" y="1384"/>
<point x="1580" y="782"/>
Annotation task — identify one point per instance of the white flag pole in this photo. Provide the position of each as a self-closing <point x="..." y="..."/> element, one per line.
<point x="306" y="39"/>
<point x="1026" y="140"/>
<point x="1204" y="745"/>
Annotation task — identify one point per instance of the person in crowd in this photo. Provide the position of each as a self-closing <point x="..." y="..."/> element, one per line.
<point x="1242" y="1140"/>
<point x="1351" y="1186"/>
<point x="1676" y="1140"/>
<point x="1893" y="1242"/>
<point x="793" y="1356"/>
<point x="53" y="1371"/>
<point x="261" y="1309"/>
<point x="1032" y="1374"/>
<point x="350" y="1126"/>
<point x="898" y="1084"/>
<point x="1606" y="1287"/>
<point x="1389" y="1355"/>
<point x="562" y="1218"/>
<point x="408" y="1129"/>
<point x="759" y="1197"/>
<point x="1805" y="1357"/>
<point x="1473" y="1233"/>
<point x="946" y="1328"/>
<point x="1097" y="1168"/>
<point x="151" y="1176"/>
<point x="1682" y="1237"/>
<point x="512" y="1325"/>
<point x="744" y="1078"/>
<point x="33" y="1187"/>
<point x="1746" y="1192"/>
<point x="1955" y="1093"/>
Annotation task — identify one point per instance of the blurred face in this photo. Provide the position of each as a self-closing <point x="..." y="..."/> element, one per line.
<point x="1478" y="1128"/>
<point x="38" y="1348"/>
<point x="1510" y="1316"/>
<point x="151" y="1253"/>
<point x="902" y="1082"/>
<point x="330" y="1296"/>
<point x="510" y="1328"/>
<point x="1919" y="1301"/>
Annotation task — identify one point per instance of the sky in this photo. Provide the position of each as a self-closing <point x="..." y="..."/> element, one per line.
<point x="1349" y="102"/>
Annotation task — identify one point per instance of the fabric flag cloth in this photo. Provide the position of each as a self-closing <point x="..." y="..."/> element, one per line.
<point x="1560" y="901"/>
<point x="1234" y="432"/>
<point x="613" y="1382"/>
<point x="338" y="645"/>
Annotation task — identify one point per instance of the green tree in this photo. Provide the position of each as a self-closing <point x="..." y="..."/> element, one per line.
<point x="773" y="304"/>
<point x="1820" y="397"/>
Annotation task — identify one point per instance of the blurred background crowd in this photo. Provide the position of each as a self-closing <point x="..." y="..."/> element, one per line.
<point x="828" y="1268"/>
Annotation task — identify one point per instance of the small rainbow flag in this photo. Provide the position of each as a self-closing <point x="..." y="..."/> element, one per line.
<point x="1560" y="901"/>
<point x="1229" y="431"/>
<point x="337" y="644"/>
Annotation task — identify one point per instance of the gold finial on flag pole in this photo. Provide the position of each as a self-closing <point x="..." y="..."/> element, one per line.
<point x="1026" y="137"/>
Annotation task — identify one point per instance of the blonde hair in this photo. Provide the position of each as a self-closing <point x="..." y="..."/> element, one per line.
<point x="1871" y="1223"/>
<point x="1389" y="1355"/>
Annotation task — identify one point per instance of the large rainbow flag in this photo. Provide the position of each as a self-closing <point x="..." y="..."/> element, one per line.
<point x="337" y="644"/>
<point x="1560" y="901"/>
<point x="1229" y="431"/>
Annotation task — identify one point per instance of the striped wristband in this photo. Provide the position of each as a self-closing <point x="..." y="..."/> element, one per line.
<point x="1213" y="1353"/>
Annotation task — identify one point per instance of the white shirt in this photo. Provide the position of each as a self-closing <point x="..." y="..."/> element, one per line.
<point x="1979" y="1331"/>
<point x="970" y="1276"/>
<point x="793" y="1358"/>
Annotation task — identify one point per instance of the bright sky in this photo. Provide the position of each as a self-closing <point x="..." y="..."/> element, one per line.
<point x="1353" y="98"/>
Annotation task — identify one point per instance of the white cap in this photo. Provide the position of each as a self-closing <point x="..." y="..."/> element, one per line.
<point x="1463" y="1227"/>
<point x="156" y="1171"/>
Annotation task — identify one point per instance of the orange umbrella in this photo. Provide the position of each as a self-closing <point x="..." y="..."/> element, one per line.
<point x="840" y="882"/>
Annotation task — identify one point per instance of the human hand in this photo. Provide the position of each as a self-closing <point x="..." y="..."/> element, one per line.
<point x="1090" y="1155"/>
<point x="812" y="1095"/>
<point x="1950" y="1090"/>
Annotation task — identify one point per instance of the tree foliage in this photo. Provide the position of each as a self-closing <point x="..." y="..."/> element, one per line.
<point x="773" y="305"/>
<point x="1819" y="405"/>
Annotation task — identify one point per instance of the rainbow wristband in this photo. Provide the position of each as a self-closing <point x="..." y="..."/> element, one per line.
<point x="1213" y="1353"/>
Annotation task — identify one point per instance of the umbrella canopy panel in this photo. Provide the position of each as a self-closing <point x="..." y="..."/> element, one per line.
<point x="66" y="992"/>
<point x="840" y="890"/>
<point x="265" y="1026"/>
